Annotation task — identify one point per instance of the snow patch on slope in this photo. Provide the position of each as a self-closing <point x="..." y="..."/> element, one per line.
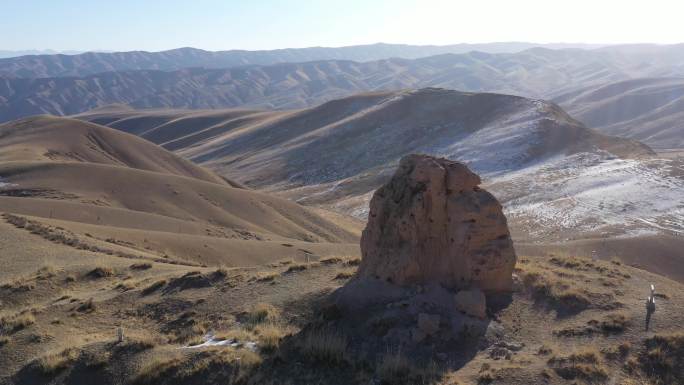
<point x="593" y="193"/>
<point x="501" y="146"/>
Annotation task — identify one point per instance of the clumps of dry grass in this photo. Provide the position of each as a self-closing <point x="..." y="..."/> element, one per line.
<point x="154" y="287"/>
<point x="262" y="312"/>
<point x="187" y="327"/>
<point x="139" y="343"/>
<point x="18" y="286"/>
<point x="324" y="346"/>
<point x="585" y="365"/>
<point x="97" y="359"/>
<point x="46" y="272"/>
<point x="663" y="358"/>
<point x="297" y="267"/>
<point x="486" y="374"/>
<point x="88" y="306"/>
<point x="101" y="272"/>
<point x="568" y="263"/>
<point x="240" y="336"/>
<point x="620" y="351"/>
<point x="352" y="262"/>
<point x="559" y="292"/>
<point x="56" y="362"/>
<point x="583" y="264"/>
<point x="269" y="335"/>
<point x="141" y="266"/>
<point x="18" y="321"/>
<point x="220" y="273"/>
<point x="345" y="274"/>
<point x="265" y="276"/>
<point x="612" y="323"/>
<point x="126" y="285"/>
<point x="331" y="260"/>
<point x="232" y="365"/>
<point x="396" y="368"/>
<point x="157" y="367"/>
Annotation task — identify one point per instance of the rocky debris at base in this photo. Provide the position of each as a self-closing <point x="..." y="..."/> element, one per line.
<point x="472" y="302"/>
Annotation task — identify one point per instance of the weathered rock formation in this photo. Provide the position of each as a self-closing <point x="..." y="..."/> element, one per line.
<point x="435" y="250"/>
<point x="432" y="224"/>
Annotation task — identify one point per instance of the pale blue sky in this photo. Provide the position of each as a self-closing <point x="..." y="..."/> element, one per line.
<point x="266" y="24"/>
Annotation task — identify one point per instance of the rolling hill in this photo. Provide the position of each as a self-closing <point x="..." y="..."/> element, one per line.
<point x="650" y="110"/>
<point x="560" y="182"/>
<point x="102" y="186"/>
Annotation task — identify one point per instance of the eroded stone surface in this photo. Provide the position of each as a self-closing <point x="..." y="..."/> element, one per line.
<point x="431" y="223"/>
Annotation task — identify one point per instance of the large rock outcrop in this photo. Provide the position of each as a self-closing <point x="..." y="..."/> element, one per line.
<point x="431" y="223"/>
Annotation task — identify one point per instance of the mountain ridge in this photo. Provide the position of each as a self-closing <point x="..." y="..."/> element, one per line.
<point x="89" y="63"/>
<point x="647" y="109"/>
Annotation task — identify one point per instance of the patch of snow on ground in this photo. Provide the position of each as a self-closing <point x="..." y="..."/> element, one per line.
<point x="501" y="146"/>
<point x="6" y="184"/>
<point x="591" y="192"/>
<point x="210" y="340"/>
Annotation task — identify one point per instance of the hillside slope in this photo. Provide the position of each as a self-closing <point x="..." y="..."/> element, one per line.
<point x="46" y="138"/>
<point x="115" y="187"/>
<point x="559" y="182"/>
<point x="650" y="110"/>
<point x="570" y="321"/>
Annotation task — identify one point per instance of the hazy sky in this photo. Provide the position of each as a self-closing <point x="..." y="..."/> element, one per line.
<point x="266" y="24"/>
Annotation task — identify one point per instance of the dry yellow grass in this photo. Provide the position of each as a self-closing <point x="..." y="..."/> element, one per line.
<point x="15" y="322"/>
<point x="322" y="345"/>
<point x="141" y="266"/>
<point x="88" y="306"/>
<point x="55" y="362"/>
<point x="262" y="312"/>
<point x="269" y="335"/>
<point x="101" y="272"/>
<point x="266" y="276"/>
<point x="239" y="335"/>
<point x="584" y="364"/>
<point x="345" y="274"/>
<point x="663" y="358"/>
<point x="297" y="267"/>
<point x="156" y="366"/>
<point x="154" y="287"/>
<point x="170" y="365"/>
<point x="543" y="284"/>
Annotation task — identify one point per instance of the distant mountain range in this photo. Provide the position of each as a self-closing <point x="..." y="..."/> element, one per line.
<point x="194" y="79"/>
<point x="9" y="53"/>
<point x="537" y="72"/>
<point x="47" y="64"/>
